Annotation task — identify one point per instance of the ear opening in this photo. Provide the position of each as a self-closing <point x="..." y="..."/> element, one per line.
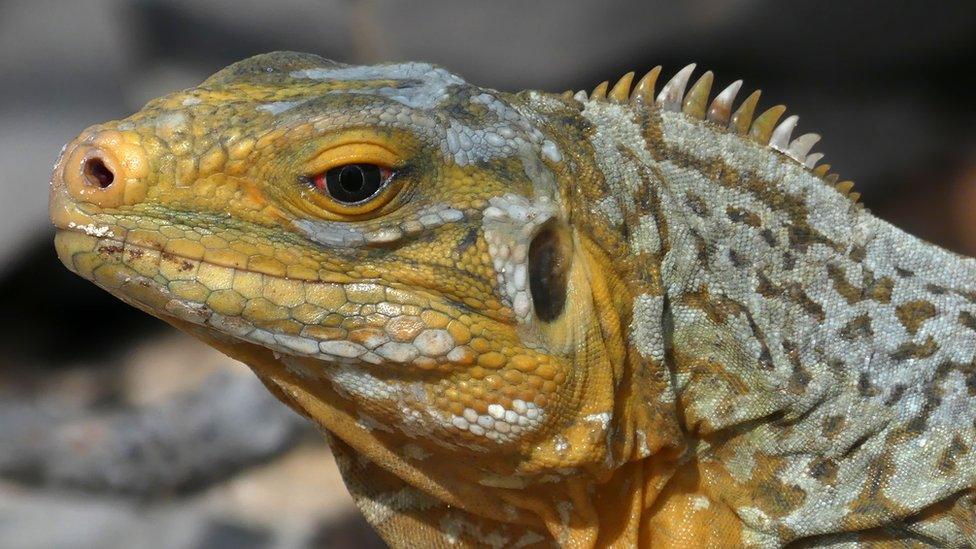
<point x="550" y="258"/>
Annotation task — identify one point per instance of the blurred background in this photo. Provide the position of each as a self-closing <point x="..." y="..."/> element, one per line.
<point x="116" y="431"/>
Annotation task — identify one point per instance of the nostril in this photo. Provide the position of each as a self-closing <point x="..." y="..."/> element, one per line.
<point x="97" y="174"/>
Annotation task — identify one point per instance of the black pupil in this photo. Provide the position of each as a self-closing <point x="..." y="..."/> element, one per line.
<point x="354" y="182"/>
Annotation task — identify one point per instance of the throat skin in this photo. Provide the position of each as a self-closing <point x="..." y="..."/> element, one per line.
<point x="568" y="489"/>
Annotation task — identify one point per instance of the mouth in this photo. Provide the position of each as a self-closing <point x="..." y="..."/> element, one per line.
<point x="334" y="322"/>
<point x="386" y="349"/>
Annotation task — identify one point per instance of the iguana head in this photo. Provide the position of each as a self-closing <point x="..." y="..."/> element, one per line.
<point x="389" y="247"/>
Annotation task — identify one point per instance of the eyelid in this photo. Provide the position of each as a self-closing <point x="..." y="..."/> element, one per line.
<point x="352" y="149"/>
<point x="351" y="153"/>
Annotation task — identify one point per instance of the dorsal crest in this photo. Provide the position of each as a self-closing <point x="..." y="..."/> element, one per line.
<point x="765" y="129"/>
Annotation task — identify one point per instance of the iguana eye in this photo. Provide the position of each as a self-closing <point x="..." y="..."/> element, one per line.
<point x="352" y="179"/>
<point x="353" y="184"/>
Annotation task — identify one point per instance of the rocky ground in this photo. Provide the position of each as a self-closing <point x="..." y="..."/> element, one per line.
<point x="182" y="448"/>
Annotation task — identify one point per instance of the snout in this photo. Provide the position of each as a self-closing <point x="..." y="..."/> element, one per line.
<point x="101" y="169"/>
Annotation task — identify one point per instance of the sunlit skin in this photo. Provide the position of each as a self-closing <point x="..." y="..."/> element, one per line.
<point x="431" y="272"/>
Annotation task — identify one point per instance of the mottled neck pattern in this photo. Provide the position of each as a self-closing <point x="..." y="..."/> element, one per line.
<point x="816" y="351"/>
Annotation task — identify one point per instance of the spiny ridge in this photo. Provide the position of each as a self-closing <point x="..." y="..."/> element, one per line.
<point x="765" y="129"/>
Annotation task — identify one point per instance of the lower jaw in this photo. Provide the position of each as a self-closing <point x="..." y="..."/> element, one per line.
<point x="123" y="270"/>
<point x="172" y="287"/>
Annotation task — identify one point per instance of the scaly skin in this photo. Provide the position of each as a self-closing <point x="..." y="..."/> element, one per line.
<point x="589" y="321"/>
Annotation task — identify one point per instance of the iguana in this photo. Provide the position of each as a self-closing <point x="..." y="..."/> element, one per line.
<point x="619" y="318"/>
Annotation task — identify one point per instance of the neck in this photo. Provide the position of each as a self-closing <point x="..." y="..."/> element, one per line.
<point x="792" y="309"/>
